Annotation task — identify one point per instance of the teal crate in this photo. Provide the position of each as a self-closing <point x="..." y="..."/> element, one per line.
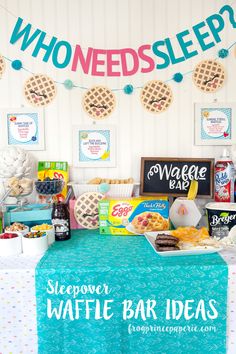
<point x="29" y="217"/>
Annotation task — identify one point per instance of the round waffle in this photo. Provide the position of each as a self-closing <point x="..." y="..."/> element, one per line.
<point x="209" y="75"/>
<point x="156" y="96"/>
<point x="2" y="65"/>
<point x="149" y="221"/>
<point x="86" y="210"/>
<point x="39" y="90"/>
<point x="99" y="102"/>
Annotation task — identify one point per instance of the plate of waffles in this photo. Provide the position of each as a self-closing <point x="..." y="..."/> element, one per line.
<point x="165" y="244"/>
<point x="131" y="229"/>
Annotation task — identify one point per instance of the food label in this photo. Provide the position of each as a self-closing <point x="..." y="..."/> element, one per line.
<point x="133" y="216"/>
<point x="220" y="222"/>
<point x="61" y="228"/>
<point x="224" y="186"/>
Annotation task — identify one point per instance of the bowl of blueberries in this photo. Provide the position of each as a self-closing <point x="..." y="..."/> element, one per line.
<point x="49" y="186"/>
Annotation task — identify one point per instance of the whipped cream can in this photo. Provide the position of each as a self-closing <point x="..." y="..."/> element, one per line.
<point x="224" y="181"/>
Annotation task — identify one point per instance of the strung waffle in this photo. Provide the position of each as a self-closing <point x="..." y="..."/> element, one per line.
<point x="156" y="96"/>
<point x="209" y="75"/>
<point x="2" y="65"/>
<point x="86" y="210"/>
<point x="39" y="90"/>
<point x="99" y="102"/>
<point x="149" y="221"/>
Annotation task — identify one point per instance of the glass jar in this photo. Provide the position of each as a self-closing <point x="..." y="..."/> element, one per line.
<point x="61" y="221"/>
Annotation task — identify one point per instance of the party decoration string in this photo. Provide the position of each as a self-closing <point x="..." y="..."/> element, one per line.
<point x="128" y="89"/>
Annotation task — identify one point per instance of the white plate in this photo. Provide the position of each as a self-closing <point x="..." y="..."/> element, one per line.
<point x="130" y="228"/>
<point x="151" y="236"/>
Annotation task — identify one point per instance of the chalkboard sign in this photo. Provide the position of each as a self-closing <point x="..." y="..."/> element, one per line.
<point x="172" y="176"/>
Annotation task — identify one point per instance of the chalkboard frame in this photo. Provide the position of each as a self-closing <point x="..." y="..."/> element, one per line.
<point x="210" y="161"/>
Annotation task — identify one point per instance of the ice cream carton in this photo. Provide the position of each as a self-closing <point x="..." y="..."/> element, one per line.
<point x="133" y="216"/>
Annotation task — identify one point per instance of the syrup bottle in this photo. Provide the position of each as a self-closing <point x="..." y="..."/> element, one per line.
<point x="61" y="221"/>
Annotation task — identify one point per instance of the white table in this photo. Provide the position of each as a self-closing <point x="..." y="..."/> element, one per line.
<point x="18" y="324"/>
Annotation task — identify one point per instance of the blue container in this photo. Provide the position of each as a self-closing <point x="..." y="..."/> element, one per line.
<point x="37" y="215"/>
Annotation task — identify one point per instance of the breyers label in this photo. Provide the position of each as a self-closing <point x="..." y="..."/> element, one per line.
<point x="220" y="221"/>
<point x="225" y="218"/>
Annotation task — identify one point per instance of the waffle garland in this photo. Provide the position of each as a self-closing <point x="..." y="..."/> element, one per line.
<point x="2" y="65"/>
<point x="156" y="96"/>
<point x="39" y="90"/>
<point x="99" y="102"/>
<point x="209" y="75"/>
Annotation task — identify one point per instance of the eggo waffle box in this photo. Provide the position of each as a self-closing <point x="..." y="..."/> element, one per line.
<point x="133" y="216"/>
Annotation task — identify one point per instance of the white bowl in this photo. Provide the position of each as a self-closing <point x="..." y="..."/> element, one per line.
<point x="34" y="246"/>
<point x="50" y="234"/>
<point x="22" y="232"/>
<point x="11" y="246"/>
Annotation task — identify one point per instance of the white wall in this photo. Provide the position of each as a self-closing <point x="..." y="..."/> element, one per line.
<point x="115" y="24"/>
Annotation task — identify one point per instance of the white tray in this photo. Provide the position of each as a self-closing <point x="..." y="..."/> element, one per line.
<point x="151" y="236"/>
<point x="115" y="191"/>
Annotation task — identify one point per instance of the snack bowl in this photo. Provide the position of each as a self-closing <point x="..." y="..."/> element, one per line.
<point x="17" y="228"/>
<point x="49" y="187"/>
<point x="49" y="229"/>
<point x="10" y="244"/>
<point x="20" y="189"/>
<point x="34" y="243"/>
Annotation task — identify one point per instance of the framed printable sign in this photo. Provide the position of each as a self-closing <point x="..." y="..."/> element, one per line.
<point x="25" y="128"/>
<point x="94" y="146"/>
<point x="214" y="123"/>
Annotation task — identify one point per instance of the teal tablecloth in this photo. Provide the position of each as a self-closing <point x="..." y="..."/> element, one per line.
<point x="131" y="270"/>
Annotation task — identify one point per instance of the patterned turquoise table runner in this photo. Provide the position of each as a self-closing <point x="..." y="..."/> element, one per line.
<point x="107" y="294"/>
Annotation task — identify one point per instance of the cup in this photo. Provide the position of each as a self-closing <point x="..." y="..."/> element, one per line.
<point x="11" y="246"/>
<point x="34" y="246"/>
<point x="50" y="233"/>
<point x="22" y="232"/>
<point x="184" y="212"/>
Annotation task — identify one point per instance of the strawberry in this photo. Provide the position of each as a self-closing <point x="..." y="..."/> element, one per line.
<point x="7" y="236"/>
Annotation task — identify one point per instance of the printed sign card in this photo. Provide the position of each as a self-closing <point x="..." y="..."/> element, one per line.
<point x="25" y="128"/>
<point x="172" y="176"/>
<point x="214" y="123"/>
<point x="94" y="146"/>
